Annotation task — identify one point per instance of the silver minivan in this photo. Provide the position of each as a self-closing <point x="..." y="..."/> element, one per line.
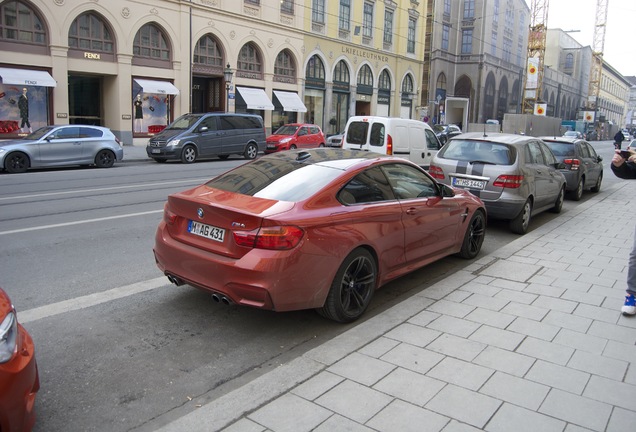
<point x="195" y="136"/>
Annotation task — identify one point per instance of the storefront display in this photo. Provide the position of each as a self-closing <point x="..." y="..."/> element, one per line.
<point x="22" y="109"/>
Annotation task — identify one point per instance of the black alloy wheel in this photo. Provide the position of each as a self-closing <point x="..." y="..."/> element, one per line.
<point x="16" y="163"/>
<point x="104" y="159"/>
<point x="474" y="237"/>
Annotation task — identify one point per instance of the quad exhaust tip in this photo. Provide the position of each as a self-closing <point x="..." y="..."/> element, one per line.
<point x="220" y="298"/>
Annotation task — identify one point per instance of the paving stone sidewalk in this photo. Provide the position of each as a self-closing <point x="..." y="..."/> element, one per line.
<point x="529" y="338"/>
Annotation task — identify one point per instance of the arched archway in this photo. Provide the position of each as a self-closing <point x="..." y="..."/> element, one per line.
<point x="208" y="84"/>
<point x="489" y="97"/>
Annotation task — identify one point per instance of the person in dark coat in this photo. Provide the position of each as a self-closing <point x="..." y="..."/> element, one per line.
<point x="626" y="169"/>
<point x="618" y="139"/>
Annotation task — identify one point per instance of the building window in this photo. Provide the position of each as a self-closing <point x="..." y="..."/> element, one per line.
<point x="365" y="76"/>
<point x="493" y="43"/>
<point x="315" y="68"/>
<point x="469" y="9"/>
<point x="467" y="41"/>
<point x="344" y="20"/>
<point x="445" y="36"/>
<point x="254" y="2"/>
<point x="341" y="73"/>
<point x="285" y="66"/>
<point x="207" y="52"/>
<point x="318" y="11"/>
<point x="407" y="85"/>
<point x="249" y="63"/>
<point x="384" y="83"/>
<point x="410" y="42"/>
<point x="150" y="43"/>
<point x="495" y="12"/>
<point x="88" y="32"/>
<point x="447" y="7"/>
<point x="388" y="26"/>
<point x="367" y="20"/>
<point x="19" y="23"/>
<point x="287" y="7"/>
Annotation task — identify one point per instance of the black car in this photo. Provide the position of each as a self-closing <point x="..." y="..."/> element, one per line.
<point x="583" y="168"/>
<point x="446" y="132"/>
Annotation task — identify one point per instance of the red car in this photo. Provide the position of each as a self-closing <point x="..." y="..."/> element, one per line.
<point x="295" y="135"/>
<point x="321" y="229"/>
<point x="19" y="379"/>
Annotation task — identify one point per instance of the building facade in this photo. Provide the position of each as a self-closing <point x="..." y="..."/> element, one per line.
<point x="478" y="51"/>
<point x="135" y="65"/>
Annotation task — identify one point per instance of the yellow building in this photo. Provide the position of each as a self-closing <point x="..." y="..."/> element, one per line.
<point x="135" y="65"/>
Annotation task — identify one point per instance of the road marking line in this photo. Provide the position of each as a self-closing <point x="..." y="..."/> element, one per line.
<point x="40" y="195"/>
<point x="78" y="222"/>
<point x="90" y="300"/>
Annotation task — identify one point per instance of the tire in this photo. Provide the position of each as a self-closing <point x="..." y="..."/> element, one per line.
<point x="577" y="193"/>
<point x="474" y="237"/>
<point x="224" y="157"/>
<point x="519" y="225"/>
<point x="597" y="186"/>
<point x="189" y="154"/>
<point x="292" y="147"/>
<point x="558" y="204"/>
<point x="352" y="288"/>
<point x="104" y="159"/>
<point x="160" y="160"/>
<point x="16" y="162"/>
<point x="251" y="151"/>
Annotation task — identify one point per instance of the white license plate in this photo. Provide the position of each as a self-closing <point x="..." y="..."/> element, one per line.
<point x="155" y="151"/>
<point x="207" y="231"/>
<point x="468" y="183"/>
<point x="271" y="146"/>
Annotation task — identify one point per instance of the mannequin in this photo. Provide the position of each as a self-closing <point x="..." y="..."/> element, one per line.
<point x="139" y="115"/>
<point x="23" y="106"/>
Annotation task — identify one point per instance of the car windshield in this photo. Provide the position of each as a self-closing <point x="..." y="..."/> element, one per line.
<point x="184" y="122"/>
<point x="478" y="151"/>
<point x="39" y="133"/>
<point x="276" y="179"/>
<point x="286" y="130"/>
<point x="570" y="134"/>
<point x="561" y="149"/>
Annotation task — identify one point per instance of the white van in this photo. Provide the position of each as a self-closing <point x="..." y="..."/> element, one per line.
<point x="411" y="139"/>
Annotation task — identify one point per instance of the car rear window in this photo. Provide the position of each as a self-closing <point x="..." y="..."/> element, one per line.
<point x="230" y="122"/>
<point x="276" y="179"/>
<point x="561" y="149"/>
<point x="479" y="151"/>
<point x="86" y="132"/>
<point x="357" y="132"/>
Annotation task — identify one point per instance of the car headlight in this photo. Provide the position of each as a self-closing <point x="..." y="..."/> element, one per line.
<point x="285" y="140"/>
<point x="8" y="337"/>
<point x="173" y="142"/>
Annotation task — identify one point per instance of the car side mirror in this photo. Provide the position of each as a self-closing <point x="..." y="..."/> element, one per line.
<point x="203" y="129"/>
<point x="446" y="191"/>
<point x="600" y="159"/>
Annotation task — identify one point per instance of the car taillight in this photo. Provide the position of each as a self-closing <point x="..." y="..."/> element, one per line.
<point x="118" y="142"/>
<point x="508" y="181"/>
<point x="573" y="163"/>
<point x="275" y="237"/>
<point x="389" y="145"/>
<point x="436" y="172"/>
<point x="168" y="216"/>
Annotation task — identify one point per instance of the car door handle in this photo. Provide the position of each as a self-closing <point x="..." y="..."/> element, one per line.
<point x="411" y="211"/>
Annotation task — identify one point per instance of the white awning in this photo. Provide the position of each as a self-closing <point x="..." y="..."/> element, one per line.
<point x="290" y="101"/>
<point x="256" y="99"/>
<point x="158" y="87"/>
<point x="27" y="77"/>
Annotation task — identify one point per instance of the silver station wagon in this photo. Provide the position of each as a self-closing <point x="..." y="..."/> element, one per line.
<point x="516" y="176"/>
<point x="63" y="145"/>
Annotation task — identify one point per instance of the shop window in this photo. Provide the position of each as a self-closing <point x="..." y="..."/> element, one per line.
<point x="24" y="110"/>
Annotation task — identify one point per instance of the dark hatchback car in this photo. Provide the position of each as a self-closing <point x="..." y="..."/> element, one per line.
<point x="446" y="132"/>
<point x="582" y="167"/>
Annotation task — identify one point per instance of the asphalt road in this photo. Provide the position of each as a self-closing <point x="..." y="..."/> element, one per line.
<point x="118" y="347"/>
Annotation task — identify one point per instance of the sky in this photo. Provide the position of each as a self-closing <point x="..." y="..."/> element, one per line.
<point x="580" y="15"/>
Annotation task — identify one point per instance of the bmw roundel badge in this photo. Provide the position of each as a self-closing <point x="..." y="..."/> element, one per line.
<point x="200" y="212"/>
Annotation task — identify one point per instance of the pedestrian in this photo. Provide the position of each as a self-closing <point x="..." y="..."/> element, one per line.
<point x="626" y="169"/>
<point x="618" y="139"/>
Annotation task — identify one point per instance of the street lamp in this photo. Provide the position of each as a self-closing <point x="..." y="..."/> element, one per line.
<point x="227" y="74"/>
